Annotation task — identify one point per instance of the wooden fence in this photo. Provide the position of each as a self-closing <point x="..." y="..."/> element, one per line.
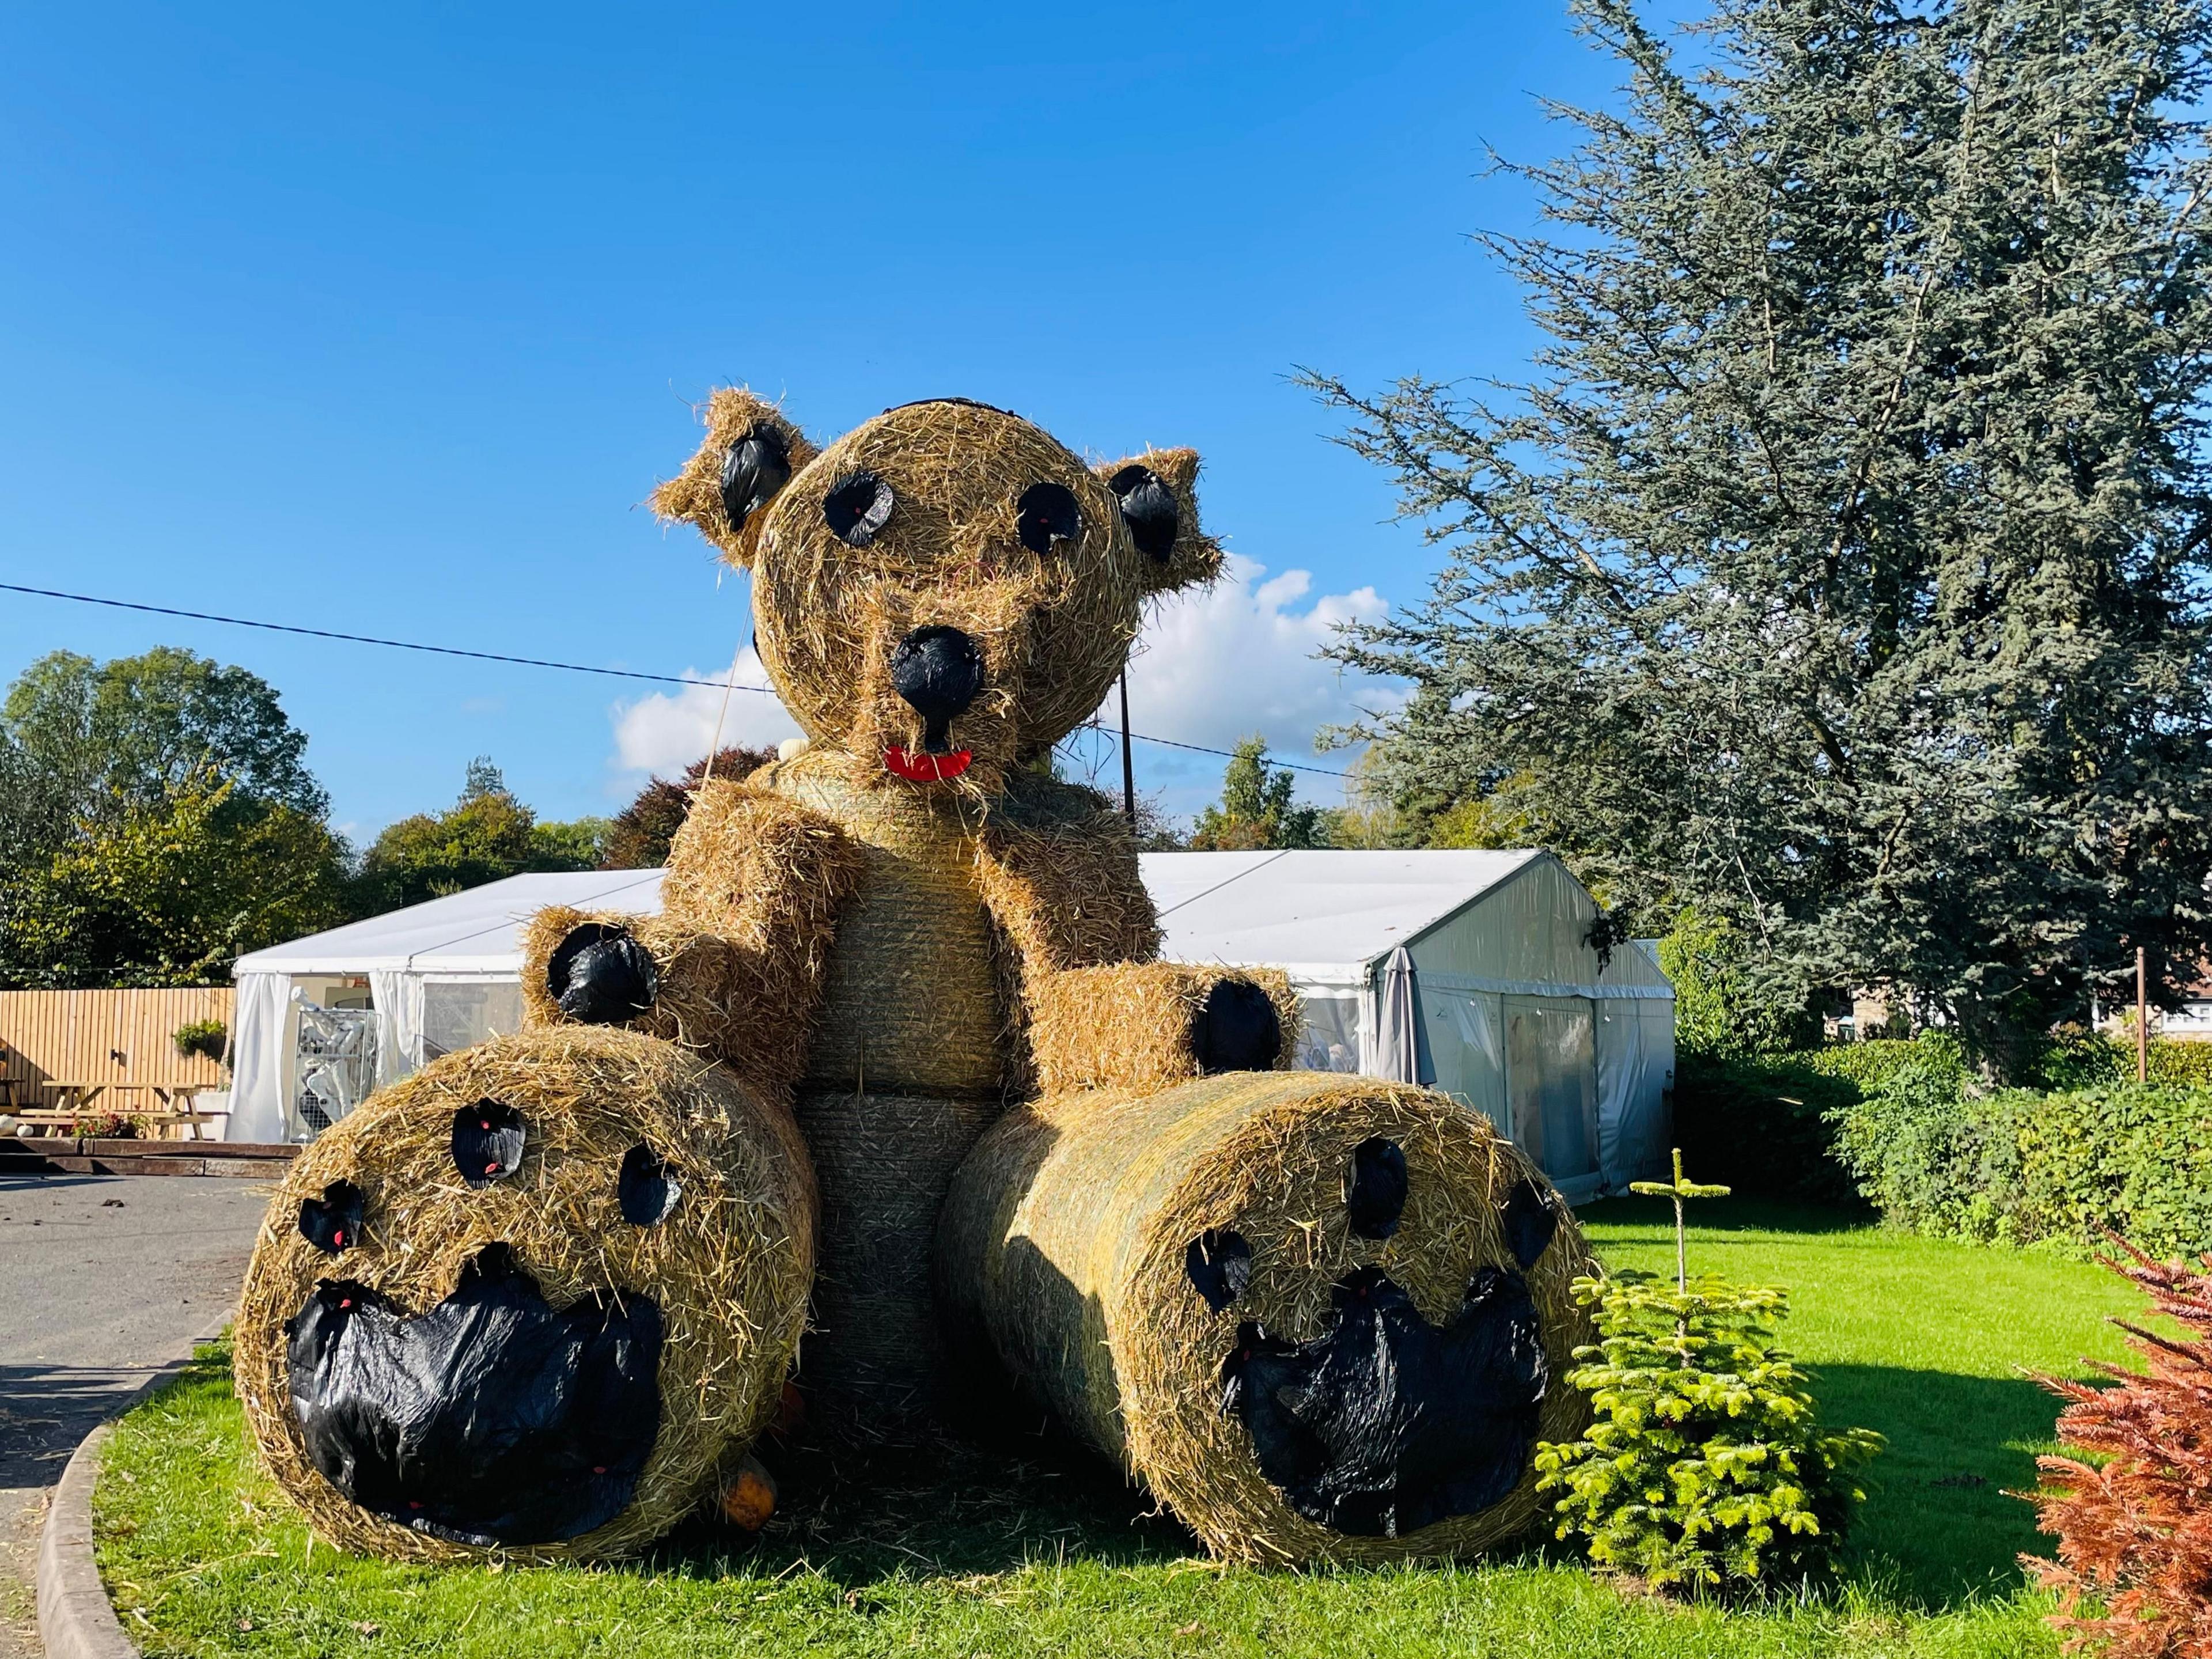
<point x="104" y="1037"/>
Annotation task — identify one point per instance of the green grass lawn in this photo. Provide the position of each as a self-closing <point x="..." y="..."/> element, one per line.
<point x="1032" y="1549"/>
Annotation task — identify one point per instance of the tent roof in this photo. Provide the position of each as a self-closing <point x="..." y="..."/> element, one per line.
<point x="1330" y="912"/>
<point x="1322" y="914"/>
<point x="478" y="932"/>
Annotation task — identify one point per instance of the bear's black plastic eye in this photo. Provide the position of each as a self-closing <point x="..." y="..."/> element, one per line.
<point x="1375" y="1188"/>
<point x="857" y="508"/>
<point x="1220" y="1263"/>
<point x="333" y="1221"/>
<point x="646" y="1191"/>
<point x="1148" y="508"/>
<point x="486" y="1142"/>
<point x="1048" y="514"/>
<point x="757" y="465"/>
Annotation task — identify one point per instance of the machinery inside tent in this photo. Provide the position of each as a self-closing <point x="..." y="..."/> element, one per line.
<point x="1472" y="971"/>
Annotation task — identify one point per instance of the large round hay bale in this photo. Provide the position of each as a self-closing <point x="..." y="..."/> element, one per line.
<point x="1322" y="1318"/>
<point x="533" y="1299"/>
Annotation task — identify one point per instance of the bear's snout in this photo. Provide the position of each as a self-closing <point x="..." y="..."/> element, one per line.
<point x="937" y="671"/>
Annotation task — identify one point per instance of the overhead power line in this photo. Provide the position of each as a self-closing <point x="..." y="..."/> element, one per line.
<point x="530" y="662"/>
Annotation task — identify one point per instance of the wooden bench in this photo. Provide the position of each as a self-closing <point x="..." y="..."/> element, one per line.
<point x="175" y="1108"/>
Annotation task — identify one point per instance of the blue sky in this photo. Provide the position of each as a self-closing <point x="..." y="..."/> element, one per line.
<point x="383" y="319"/>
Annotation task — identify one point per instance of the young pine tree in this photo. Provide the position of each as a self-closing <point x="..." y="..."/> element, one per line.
<point x="1843" y="570"/>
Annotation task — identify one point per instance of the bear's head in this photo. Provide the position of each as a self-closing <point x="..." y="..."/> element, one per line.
<point x="946" y="591"/>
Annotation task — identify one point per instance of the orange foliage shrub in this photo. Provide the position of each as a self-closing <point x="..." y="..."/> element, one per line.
<point x="2136" y="1534"/>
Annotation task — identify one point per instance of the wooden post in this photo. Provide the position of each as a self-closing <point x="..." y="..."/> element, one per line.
<point x="2143" y="1018"/>
<point x="1128" y="765"/>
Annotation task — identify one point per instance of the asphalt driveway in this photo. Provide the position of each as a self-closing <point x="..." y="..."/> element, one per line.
<point x="103" y="1278"/>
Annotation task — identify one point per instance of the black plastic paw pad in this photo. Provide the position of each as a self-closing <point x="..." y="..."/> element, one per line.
<point x="333" y="1221"/>
<point x="601" y="975"/>
<point x="486" y="1142"/>
<point x="1238" y="1031"/>
<point x="535" y="1426"/>
<point x="1531" y="1219"/>
<point x="646" y="1191"/>
<point x="1386" y="1424"/>
<point x="1220" y="1263"/>
<point x="1375" y="1188"/>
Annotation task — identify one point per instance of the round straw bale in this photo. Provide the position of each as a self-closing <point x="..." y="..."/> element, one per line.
<point x="594" y="1191"/>
<point x="1324" y="1318"/>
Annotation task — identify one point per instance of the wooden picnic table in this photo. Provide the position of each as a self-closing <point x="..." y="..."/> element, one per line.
<point x="74" y="1101"/>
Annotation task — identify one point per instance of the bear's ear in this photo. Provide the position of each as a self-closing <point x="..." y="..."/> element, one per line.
<point x="1158" y="493"/>
<point x="750" y="453"/>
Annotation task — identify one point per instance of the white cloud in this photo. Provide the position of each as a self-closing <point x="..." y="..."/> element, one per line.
<point x="666" y="731"/>
<point x="1239" y="658"/>
<point x="1211" y="668"/>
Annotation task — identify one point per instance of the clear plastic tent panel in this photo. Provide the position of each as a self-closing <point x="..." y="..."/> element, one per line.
<point x="457" y="1015"/>
<point x="1330" y="1042"/>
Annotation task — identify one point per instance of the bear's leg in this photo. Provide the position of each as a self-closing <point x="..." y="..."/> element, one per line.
<point x="1322" y="1317"/>
<point x="533" y="1299"/>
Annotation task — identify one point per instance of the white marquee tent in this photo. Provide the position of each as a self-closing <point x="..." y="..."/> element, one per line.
<point x="1508" y="1007"/>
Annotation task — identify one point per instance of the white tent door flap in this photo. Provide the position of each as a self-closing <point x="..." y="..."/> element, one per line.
<point x="1551" y="1082"/>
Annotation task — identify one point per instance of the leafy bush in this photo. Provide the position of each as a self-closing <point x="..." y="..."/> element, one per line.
<point x="2134" y="1530"/>
<point x="207" y="1038"/>
<point x="2059" y="1169"/>
<point x="1766" y="1124"/>
<point x="1719" y="1008"/>
<point x="1707" y="1468"/>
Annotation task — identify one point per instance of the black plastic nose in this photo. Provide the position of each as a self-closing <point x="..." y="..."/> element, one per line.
<point x="937" y="671"/>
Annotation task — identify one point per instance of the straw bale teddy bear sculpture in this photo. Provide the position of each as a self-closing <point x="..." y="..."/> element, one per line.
<point x="1322" y="1316"/>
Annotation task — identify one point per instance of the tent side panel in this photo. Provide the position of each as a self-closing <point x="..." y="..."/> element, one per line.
<point x="1635" y="1081"/>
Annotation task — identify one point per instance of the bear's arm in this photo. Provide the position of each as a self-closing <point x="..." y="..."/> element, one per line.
<point x="749" y="910"/>
<point x="1090" y="1005"/>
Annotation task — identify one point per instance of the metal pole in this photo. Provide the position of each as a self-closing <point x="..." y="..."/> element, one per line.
<point x="1129" y="766"/>
<point x="2143" y="1018"/>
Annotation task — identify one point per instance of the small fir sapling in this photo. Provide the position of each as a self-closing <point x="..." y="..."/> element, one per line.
<point x="1705" y="1468"/>
<point x="2135" y="1528"/>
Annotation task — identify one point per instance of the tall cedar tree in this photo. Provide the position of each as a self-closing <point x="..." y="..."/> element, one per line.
<point x="1843" y="570"/>
<point x="643" y="830"/>
<point x="2135" y="1531"/>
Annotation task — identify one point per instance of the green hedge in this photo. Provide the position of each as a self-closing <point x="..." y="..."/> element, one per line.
<point x="1766" y="1125"/>
<point x="2020" y="1168"/>
<point x="1770" y="1125"/>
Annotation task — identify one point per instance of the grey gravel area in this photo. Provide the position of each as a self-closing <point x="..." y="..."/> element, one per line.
<point x="103" y="1278"/>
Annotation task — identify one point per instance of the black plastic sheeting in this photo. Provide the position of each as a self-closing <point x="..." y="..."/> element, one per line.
<point x="332" y="1222"/>
<point x="488" y="1140"/>
<point x="857" y="507"/>
<point x="1220" y="1263"/>
<point x="646" y="1191"/>
<point x="1148" y="508"/>
<point x="1047" y="512"/>
<point x="937" y="671"/>
<point x="1386" y="1424"/>
<point x="600" y="975"/>
<point x="757" y="465"/>
<point x="490" y="1419"/>
<point x="1531" y="1221"/>
<point x="1237" y="1029"/>
<point x="1375" y="1188"/>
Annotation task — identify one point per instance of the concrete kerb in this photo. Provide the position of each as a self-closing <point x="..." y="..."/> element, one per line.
<point x="76" y="1618"/>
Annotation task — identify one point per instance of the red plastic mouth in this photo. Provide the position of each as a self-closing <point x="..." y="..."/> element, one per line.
<point x="926" y="767"/>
